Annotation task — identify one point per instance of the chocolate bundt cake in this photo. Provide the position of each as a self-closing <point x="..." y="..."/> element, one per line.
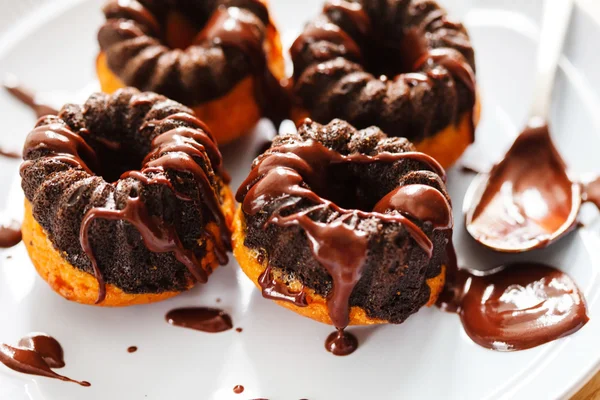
<point x="401" y="65"/>
<point x="344" y="226"/>
<point x="213" y="56"/>
<point x="126" y="199"/>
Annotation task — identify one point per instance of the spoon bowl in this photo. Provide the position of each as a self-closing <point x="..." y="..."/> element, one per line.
<point x="525" y="202"/>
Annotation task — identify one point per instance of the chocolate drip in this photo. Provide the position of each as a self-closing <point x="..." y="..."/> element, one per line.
<point x="275" y="290"/>
<point x="517" y="307"/>
<point x="341" y="343"/>
<point x="10" y="235"/>
<point x="205" y="319"/>
<point x="36" y="354"/>
<point x="297" y="171"/>
<point x="527" y="199"/>
<point x="229" y="28"/>
<point x="27" y="97"/>
<point x="158" y="237"/>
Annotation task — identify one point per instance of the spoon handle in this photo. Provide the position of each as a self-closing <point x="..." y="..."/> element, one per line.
<point x="555" y="23"/>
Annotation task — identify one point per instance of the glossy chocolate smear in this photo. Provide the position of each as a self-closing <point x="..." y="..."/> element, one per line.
<point x="10" y="234"/>
<point x="36" y="354"/>
<point x="528" y="198"/>
<point x="47" y="347"/>
<point x="521" y="306"/>
<point x="275" y="290"/>
<point x="28" y="98"/>
<point x="205" y="319"/>
<point x="297" y="170"/>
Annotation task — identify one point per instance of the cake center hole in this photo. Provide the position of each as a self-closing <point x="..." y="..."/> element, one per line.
<point x="390" y="58"/>
<point x="349" y="187"/>
<point x="180" y="31"/>
<point x="114" y="158"/>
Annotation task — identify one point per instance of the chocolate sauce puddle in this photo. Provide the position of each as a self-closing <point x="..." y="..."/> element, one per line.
<point x="517" y="307"/>
<point x="28" y="98"/>
<point x="341" y="343"/>
<point x="205" y="319"/>
<point x="529" y="198"/>
<point x="36" y="354"/>
<point x="238" y="389"/>
<point x="338" y="245"/>
<point x="10" y="234"/>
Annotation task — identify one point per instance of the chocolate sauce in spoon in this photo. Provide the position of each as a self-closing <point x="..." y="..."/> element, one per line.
<point x="517" y="307"/>
<point x="36" y="354"/>
<point x="529" y="199"/>
<point x="205" y="319"/>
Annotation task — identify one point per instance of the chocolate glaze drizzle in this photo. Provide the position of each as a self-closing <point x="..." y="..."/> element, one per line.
<point x="517" y="307"/>
<point x="10" y="235"/>
<point x="175" y="150"/>
<point x="529" y="196"/>
<point x="275" y="290"/>
<point x="27" y="97"/>
<point x="205" y="319"/>
<point x="296" y="170"/>
<point x="36" y="354"/>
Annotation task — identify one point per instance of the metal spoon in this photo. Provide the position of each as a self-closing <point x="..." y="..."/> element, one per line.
<point x="528" y="200"/>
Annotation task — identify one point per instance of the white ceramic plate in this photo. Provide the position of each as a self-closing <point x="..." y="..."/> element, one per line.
<point x="280" y="355"/>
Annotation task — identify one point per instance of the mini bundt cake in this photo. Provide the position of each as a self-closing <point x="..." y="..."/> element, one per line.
<point x="222" y="58"/>
<point x="126" y="199"/>
<point x="403" y="66"/>
<point x="344" y="226"/>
